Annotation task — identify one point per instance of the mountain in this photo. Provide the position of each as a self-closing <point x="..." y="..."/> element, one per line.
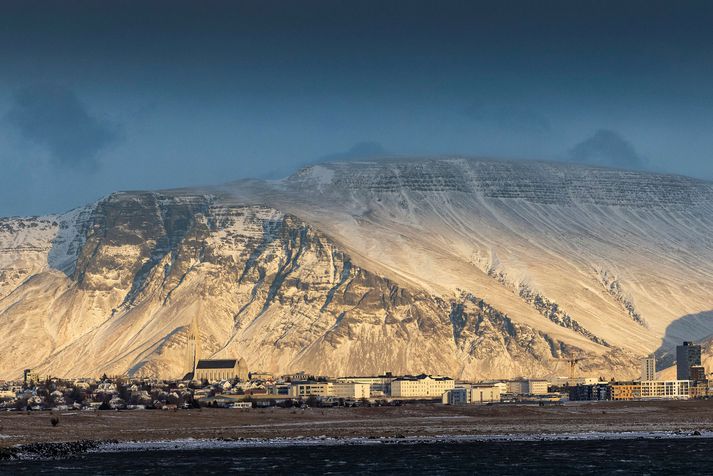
<point x="473" y="268"/>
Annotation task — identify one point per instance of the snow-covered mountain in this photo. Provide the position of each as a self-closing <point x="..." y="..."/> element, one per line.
<point x="473" y="268"/>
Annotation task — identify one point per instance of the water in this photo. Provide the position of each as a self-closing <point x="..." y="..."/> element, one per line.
<point x="645" y="456"/>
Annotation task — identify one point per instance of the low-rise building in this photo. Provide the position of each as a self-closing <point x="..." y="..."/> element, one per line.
<point x="456" y="396"/>
<point x="311" y="389"/>
<point x="282" y="389"/>
<point x="537" y="387"/>
<point x="352" y="390"/>
<point x="700" y="389"/>
<point x="698" y="373"/>
<point x="482" y="393"/>
<point x="527" y="387"/>
<point x="476" y="394"/>
<point x="573" y="382"/>
<point x="517" y="386"/>
<point x="666" y="389"/>
<point x="241" y="405"/>
<point x="599" y="391"/>
<point x="625" y="390"/>
<point x="421" y="386"/>
<point x="261" y="376"/>
<point x="7" y="394"/>
<point x="380" y="385"/>
<point x="502" y="386"/>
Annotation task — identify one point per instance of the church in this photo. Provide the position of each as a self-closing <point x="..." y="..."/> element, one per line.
<point x="221" y="369"/>
<point x="211" y="369"/>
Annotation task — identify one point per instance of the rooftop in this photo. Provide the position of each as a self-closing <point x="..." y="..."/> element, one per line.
<point x="217" y="364"/>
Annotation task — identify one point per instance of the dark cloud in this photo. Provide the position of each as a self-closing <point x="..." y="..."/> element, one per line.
<point x="55" y="118"/>
<point x="607" y="148"/>
<point x="360" y="150"/>
<point x="509" y="118"/>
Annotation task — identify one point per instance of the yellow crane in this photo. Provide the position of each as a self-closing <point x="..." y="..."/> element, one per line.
<point x="572" y="365"/>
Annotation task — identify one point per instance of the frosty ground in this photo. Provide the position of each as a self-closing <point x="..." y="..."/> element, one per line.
<point x="595" y="420"/>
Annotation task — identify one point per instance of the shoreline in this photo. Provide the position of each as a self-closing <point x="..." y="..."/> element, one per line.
<point x="364" y="425"/>
<point x="62" y="450"/>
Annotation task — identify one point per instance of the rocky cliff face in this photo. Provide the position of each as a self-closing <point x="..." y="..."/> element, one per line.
<point x="470" y="268"/>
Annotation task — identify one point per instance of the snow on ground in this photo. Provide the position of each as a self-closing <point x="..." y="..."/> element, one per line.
<point x="195" y="444"/>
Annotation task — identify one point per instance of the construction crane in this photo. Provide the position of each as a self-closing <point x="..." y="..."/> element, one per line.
<point x="572" y="365"/>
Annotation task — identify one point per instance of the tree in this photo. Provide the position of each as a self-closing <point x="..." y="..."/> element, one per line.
<point x="21" y="404"/>
<point x="76" y="395"/>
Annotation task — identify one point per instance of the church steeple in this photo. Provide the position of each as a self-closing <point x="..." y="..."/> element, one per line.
<point x="194" y="346"/>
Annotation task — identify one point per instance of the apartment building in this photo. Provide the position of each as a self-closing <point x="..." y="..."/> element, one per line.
<point x="311" y="389"/>
<point x="666" y="389"/>
<point x="423" y="386"/>
<point x="351" y="390"/>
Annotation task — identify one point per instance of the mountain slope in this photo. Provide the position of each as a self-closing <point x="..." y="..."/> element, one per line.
<point x="473" y="268"/>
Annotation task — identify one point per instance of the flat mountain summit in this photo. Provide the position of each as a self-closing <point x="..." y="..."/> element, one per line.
<point x="467" y="267"/>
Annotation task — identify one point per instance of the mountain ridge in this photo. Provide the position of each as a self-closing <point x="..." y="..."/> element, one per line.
<point x="577" y="258"/>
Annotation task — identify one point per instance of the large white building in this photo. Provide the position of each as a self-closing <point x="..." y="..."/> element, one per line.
<point x="423" y="386"/>
<point x="350" y="390"/>
<point x="380" y="384"/>
<point x="666" y="389"/>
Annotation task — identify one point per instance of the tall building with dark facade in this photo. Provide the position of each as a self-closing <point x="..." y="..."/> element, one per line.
<point x="687" y="356"/>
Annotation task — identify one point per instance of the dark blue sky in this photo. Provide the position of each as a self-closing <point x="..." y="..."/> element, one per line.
<point x="100" y="96"/>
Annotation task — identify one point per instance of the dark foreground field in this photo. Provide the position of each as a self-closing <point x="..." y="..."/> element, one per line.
<point x="408" y="420"/>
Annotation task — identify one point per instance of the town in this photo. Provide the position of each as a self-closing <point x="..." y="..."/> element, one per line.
<point x="227" y="383"/>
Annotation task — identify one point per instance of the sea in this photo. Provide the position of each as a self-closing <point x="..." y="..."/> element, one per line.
<point x="631" y="456"/>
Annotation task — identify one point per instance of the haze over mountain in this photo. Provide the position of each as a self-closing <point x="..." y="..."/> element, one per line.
<point x="155" y="94"/>
<point x="470" y="267"/>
